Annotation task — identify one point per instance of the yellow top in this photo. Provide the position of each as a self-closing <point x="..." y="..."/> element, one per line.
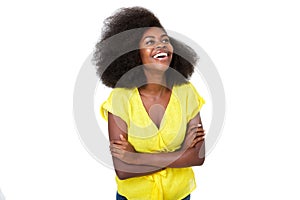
<point x="143" y="134"/>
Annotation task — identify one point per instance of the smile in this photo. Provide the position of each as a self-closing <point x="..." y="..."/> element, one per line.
<point x="160" y="55"/>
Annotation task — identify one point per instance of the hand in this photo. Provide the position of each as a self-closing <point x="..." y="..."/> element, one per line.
<point x="124" y="144"/>
<point x="123" y="150"/>
<point x="195" y="134"/>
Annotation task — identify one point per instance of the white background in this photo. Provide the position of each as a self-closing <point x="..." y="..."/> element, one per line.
<point x="254" y="45"/>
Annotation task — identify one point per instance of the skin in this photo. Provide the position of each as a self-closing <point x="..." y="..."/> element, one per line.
<point x="129" y="163"/>
<point x="153" y="41"/>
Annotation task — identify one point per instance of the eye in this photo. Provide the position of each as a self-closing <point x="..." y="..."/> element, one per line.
<point x="149" y="42"/>
<point x="166" y="40"/>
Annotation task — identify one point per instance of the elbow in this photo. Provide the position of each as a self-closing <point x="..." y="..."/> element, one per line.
<point x="200" y="161"/>
<point x="200" y="149"/>
<point x="122" y="175"/>
<point x="200" y="152"/>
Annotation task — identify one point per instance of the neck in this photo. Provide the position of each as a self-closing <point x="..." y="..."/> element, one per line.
<point x="152" y="89"/>
<point x="155" y="77"/>
<point x="156" y="84"/>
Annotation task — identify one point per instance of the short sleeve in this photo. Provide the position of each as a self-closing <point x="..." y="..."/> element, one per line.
<point x="117" y="103"/>
<point x="194" y="102"/>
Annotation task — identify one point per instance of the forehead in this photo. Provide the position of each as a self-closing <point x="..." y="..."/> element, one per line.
<point x="154" y="31"/>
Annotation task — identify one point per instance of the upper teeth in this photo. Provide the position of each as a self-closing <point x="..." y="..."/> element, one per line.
<point x="160" y="54"/>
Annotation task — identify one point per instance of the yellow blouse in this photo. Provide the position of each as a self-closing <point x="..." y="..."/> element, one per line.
<point x="143" y="134"/>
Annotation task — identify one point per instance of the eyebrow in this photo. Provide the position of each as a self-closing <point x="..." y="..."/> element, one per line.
<point x="163" y="35"/>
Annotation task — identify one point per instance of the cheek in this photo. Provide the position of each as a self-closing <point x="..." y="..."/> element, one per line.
<point x="145" y="54"/>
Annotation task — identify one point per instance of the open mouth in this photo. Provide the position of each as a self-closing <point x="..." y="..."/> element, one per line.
<point x="160" y="55"/>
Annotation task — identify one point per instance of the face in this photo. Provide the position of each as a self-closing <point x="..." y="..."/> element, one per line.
<point x="155" y="49"/>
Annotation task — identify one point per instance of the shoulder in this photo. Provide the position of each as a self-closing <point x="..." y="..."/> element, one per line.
<point x="188" y="91"/>
<point x="118" y="103"/>
<point x="121" y="97"/>
<point x="190" y="99"/>
<point x="185" y="88"/>
<point x="122" y="92"/>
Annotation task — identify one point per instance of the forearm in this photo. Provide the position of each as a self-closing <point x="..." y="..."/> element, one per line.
<point x="125" y="171"/>
<point x="178" y="159"/>
<point x="192" y="157"/>
<point x="149" y="163"/>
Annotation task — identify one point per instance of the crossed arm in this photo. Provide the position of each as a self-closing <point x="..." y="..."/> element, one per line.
<point x="128" y="163"/>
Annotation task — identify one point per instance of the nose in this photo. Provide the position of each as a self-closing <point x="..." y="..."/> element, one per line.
<point x="160" y="45"/>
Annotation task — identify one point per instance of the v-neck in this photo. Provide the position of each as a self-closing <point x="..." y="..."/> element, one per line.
<point x="161" y="124"/>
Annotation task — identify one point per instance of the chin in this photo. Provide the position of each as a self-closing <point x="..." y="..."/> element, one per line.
<point x="156" y="67"/>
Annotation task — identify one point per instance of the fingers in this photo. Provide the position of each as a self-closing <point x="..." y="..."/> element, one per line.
<point x="117" y="151"/>
<point x="121" y="154"/>
<point x="193" y="127"/>
<point x="196" y="140"/>
<point x="114" y="149"/>
<point x="199" y="132"/>
<point x="123" y="144"/>
<point x="122" y="138"/>
<point x="118" y="144"/>
<point x="194" y="135"/>
<point x="199" y="135"/>
<point x="122" y="141"/>
<point x="115" y="146"/>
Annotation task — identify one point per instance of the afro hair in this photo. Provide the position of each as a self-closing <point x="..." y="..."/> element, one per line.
<point x="117" y="53"/>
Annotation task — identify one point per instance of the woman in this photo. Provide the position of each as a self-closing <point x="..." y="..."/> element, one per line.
<point x="153" y="115"/>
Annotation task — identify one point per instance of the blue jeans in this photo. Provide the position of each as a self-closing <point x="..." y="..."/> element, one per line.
<point x="120" y="197"/>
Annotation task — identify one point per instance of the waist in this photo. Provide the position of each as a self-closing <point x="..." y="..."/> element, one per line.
<point x="170" y="183"/>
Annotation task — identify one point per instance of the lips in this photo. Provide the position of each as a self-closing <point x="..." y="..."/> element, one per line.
<point x="161" y="55"/>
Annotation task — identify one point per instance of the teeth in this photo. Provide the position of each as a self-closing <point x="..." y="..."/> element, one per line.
<point x="160" y="55"/>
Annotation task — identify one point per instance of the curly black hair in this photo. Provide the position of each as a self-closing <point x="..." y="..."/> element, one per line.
<point x="117" y="53"/>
